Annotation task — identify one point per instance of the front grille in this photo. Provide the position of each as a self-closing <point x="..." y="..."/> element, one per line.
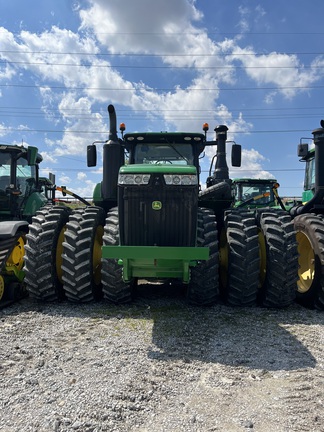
<point x="174" y="224"/>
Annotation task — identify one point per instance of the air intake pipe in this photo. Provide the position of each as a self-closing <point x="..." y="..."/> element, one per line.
<point x="221" y="167"/>
<point x="113" y="159"/>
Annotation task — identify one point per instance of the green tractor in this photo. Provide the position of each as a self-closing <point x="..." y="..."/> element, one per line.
<point x="309" y="224"/>
<point x="22" y="193"/>
<point x="255" y="193"/>
<point x="151" y="220"/>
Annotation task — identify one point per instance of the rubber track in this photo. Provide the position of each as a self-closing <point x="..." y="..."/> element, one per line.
<point x="41" y="277"/>
<point x="315" y="226"/>
<point x="77" y="266"/>
<point x="203" y="289"/>
<point x="113" y="287"/>
<point x="243" y="258"/>
<point x="280" y="286"/>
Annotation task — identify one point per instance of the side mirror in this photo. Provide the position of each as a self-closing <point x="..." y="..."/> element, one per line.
<point x="302" y="150"/>
<point x="32" y="155"/>
<point x="91" y="155"/>
<point x="236" y="155"/>
<point x="51" y="176"/>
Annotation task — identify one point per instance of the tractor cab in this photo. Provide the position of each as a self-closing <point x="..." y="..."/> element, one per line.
<point x="165" y="148"/>
<point x="19" y="186"/>
<point x="254" y="193"/>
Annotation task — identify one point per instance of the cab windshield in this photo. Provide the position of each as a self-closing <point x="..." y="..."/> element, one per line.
<point x="23" y="171"/>
<point x="251" y="191"/>
<point x="165" y="153"/>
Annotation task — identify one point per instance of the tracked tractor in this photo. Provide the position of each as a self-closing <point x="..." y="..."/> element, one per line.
<point x="151" y="220"/>
<point x="309" y="224"/>
<point x="22" y="193"/>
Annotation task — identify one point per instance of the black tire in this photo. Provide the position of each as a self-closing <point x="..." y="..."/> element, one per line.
<point x="43" y="253"/>
<point x="278" y="258"/>
<point x="310" y="238"/>
<point x="114" y="288"/>
<point x="203" y="288"/>
<point x="81" y="262"/>
<point x="239" y="256"/>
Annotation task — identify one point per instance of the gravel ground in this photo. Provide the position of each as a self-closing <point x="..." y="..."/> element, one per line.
<point x="160" y="365"/>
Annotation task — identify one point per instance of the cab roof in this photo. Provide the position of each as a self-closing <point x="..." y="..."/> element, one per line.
<point x="165" y="137"/>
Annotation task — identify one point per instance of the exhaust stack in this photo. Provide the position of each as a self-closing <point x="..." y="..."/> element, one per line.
<point x="113" y="159"/>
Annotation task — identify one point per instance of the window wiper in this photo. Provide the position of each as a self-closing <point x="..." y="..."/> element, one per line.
<point x="177" y="151"/>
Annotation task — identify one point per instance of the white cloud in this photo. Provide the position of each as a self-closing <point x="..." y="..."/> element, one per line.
<point x="284" y="71"/>
<point x="251" y="166"/>
<point x="81" y="176"/>
<point x="6" y="73"/>
<point x="73" y="111"/>
<point x="3" y="130"/>
<point x="49" y="157"/>
<point x="168" y="16"/>
<point x="64" y="180"/>
<point x="244" y="24"/>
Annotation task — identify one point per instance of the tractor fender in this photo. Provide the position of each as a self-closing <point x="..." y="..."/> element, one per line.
<point x="9" y="228"/>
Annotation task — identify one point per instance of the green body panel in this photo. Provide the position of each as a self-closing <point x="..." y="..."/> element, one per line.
<point x="97" y="197"/>
<point x="156" y="262"/>
<point x="32" y="154"/>
<point x="34" y="203"/>
<point x="307" y="196"/>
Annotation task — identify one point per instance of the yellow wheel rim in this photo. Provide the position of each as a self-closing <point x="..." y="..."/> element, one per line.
<point x="306" y="261"/>
<point x="263" y="257"/>
<point x="96" y="254"/>
<point x="2" y="287"/>
<point x="16" y="258"/>
<point x="223" y="258"/>
<point x="59" y="252"/>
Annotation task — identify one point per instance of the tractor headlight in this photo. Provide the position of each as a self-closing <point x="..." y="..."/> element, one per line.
<point x="138" y="179"/>
<point x="180" y="179"/>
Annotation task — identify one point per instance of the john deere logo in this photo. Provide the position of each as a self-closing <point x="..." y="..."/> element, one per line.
<point x="156" y="205"/>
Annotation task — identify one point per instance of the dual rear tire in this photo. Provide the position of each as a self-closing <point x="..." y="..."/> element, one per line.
<point x="43" y="253"/>
<point x="259" y="259"/>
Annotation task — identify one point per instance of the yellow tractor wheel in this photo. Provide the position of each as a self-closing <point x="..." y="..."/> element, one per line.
<point x="15" y="261"/>
<point x="310" y="238"/>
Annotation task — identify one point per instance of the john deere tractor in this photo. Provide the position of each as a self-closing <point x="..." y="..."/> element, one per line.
<point x="255" y="193"/>
<point x="22" y="193"/>
<point x="309" y="224"/>
<point x="152" y="220"/>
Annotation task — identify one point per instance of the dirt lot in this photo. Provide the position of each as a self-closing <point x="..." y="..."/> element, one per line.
<point x="160" y="365"/>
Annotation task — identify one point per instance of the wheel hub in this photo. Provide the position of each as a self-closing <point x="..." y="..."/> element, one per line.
<point x="306" y="271"/>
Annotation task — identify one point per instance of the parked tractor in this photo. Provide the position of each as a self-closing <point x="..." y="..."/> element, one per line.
<point x="255" y="193"/>
<point x="151" y="220"/>
<point x="22" y="193"/>
<point x="309" y="224"/>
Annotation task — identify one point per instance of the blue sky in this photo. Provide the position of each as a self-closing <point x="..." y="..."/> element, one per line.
<point x="257" y="67"/>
